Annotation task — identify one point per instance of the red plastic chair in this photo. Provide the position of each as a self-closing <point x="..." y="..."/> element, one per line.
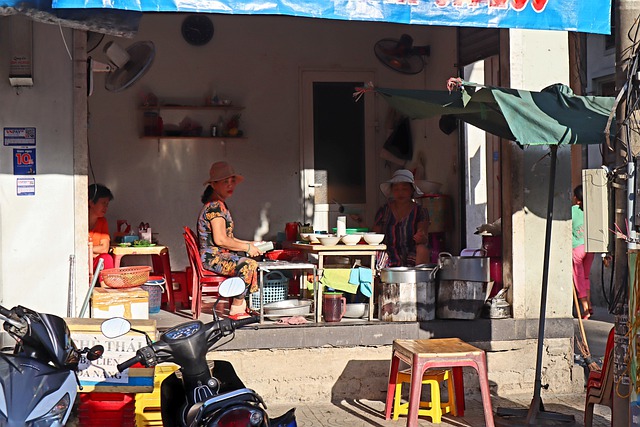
<point x="600" y="384"/>
<point x="202" y="280"/>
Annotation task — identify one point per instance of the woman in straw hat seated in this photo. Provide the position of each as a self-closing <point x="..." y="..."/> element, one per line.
<point x="404" y="222"/>
<point x="220" y="250"/>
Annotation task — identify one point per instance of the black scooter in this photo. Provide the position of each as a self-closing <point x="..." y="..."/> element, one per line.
<point x="38" y="381"/>
<point x="197" y="395"/>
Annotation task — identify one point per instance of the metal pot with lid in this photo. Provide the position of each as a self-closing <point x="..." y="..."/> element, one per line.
<point x="408" y="293"/>
<point x="417" y="274"/>
<point x="466" y="268"/>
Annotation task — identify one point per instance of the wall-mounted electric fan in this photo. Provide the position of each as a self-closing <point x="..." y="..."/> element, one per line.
<point x="401" y="55"/>
<point x="125" y="66"/>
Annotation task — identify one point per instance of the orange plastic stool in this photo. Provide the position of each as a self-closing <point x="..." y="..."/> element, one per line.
<point x="435" y="408"/>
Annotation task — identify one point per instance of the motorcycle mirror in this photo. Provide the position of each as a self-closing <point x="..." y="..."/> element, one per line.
<point x="95" y="352"/>
<point x="115" y="327"/>
<point x="231" y="287"/>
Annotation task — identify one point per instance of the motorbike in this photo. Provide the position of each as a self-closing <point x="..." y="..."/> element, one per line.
<point x="38" y="381"/>
<point x="197" y="395"/>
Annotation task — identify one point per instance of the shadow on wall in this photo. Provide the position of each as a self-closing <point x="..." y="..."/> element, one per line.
<point x="363" y="379"/>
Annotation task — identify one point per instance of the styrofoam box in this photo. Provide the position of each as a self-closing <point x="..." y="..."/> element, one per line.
<point x="131" y="303"/>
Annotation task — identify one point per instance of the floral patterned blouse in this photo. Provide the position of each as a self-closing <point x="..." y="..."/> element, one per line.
<point x="221" y="260"/>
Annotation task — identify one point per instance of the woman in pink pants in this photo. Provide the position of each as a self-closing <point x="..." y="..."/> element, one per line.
<point x="581" y="260"/>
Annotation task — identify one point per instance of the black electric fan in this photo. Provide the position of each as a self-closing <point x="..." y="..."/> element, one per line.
<point x="125" y="67"/>
<point x="401" y="55"/>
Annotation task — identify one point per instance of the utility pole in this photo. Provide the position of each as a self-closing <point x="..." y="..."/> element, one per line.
<point x="625" y="14"/>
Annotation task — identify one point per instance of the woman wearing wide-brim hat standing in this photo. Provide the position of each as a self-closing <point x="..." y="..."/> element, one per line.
<point x="220" y="251"/>
<point x="404" y="222"/>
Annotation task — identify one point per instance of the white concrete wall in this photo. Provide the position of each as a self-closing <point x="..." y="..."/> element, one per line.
<point x="37" y="232"/>
<point x="539" y="59"/>
<point x="337" y="373"/>
<point x="255" y="62"/>
<point x="476" y="168"/>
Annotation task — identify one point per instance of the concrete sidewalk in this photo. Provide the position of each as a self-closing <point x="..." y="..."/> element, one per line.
<point x="357" y="413"/>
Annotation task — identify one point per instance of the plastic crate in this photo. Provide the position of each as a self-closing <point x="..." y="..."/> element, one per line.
<point x="147" y="406"/>
<point x="276" y="288"/>
<point x="106" y="410"/>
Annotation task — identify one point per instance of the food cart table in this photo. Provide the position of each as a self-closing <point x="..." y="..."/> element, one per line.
<point x="267" y="266"/>
<point x="160" y="253"/>
<point x="345" y="250"/>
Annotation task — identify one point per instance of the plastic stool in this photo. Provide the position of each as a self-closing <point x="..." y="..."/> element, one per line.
<point x="434" y="409"/>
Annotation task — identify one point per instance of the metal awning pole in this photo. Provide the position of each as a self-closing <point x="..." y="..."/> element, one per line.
<point x="536" y="415"/>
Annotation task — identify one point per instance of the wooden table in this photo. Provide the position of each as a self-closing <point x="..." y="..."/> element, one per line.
<point x="158" y="253"/>
<point x="345" y="250"/>
<point x="438" y="353"/>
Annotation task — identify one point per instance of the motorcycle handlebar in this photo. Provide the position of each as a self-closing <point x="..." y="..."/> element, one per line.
<point x="129" y="363"/>
<point x="5" y="312"/>
<point x="242" y="322"/>
<point x="225" y="326"/>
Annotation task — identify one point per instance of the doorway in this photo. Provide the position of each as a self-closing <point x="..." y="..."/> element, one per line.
<point x="337" y="146"/>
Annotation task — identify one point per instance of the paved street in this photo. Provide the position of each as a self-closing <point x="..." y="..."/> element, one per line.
<point x="356" y="413"/>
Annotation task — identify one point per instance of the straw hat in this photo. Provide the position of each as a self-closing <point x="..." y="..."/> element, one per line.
<point x="401" y="175"/>
<point x="220" y="171"/>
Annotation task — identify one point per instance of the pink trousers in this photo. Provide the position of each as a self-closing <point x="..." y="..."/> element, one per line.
<point x="581" y="268"/>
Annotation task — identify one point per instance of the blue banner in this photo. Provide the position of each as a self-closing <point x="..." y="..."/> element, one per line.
<point x="589" y="16"/>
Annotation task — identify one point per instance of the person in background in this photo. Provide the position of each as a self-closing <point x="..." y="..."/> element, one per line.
<point x="404" y="222"/>
<point x="99" y="198"/>
<point x="220" y="250"/>
<point x="581" y="260"/>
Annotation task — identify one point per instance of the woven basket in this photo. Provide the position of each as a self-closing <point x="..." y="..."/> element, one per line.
<point x="276" y="288"/>
<point x="125" y="277"/>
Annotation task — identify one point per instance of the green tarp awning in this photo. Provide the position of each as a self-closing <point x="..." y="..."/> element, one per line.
<point x="552" y="116"/>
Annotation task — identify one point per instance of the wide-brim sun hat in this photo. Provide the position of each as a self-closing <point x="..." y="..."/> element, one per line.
<point x="401" y="175"/>
<point x="220" y="171"/>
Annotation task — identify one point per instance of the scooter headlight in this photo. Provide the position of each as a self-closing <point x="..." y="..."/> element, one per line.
<point x="55" y="416"/>
<point x="240" y="417"/>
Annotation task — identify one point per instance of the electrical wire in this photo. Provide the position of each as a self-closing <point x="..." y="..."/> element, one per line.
<point x="64" y="40"/>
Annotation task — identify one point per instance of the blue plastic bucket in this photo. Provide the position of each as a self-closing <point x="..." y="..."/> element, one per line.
<point x="154" y="287"/>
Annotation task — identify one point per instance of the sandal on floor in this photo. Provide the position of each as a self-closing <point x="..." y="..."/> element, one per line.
<point x="586" y="316"/>
<point x="239" y="316"/>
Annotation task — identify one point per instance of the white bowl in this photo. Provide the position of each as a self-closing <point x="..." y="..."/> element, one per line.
<point x="373" y="238"/>
<point x="309" y="237"/>
<point x="428" y="187"/>
<point x="351" y="239"/>
<point x="327" y="240"/>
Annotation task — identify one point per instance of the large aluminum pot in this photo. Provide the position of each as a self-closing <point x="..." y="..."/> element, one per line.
<point x="418" y="274"/>
<point x="466" y="268"/>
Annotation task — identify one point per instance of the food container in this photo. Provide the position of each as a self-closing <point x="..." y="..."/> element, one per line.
<point x="408" y="293"/>
<point x="356" y="310"/>
<point x="465" y="268"/>
<point x="289" y="307"/>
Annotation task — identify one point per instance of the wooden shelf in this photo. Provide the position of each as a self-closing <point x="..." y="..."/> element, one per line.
<point x="211" y="138"/>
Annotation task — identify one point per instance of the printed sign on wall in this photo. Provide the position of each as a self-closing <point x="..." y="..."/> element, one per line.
<point x="24" y="161"/>
<point x="23" y="137"/>
<point x="26" y="186"/>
